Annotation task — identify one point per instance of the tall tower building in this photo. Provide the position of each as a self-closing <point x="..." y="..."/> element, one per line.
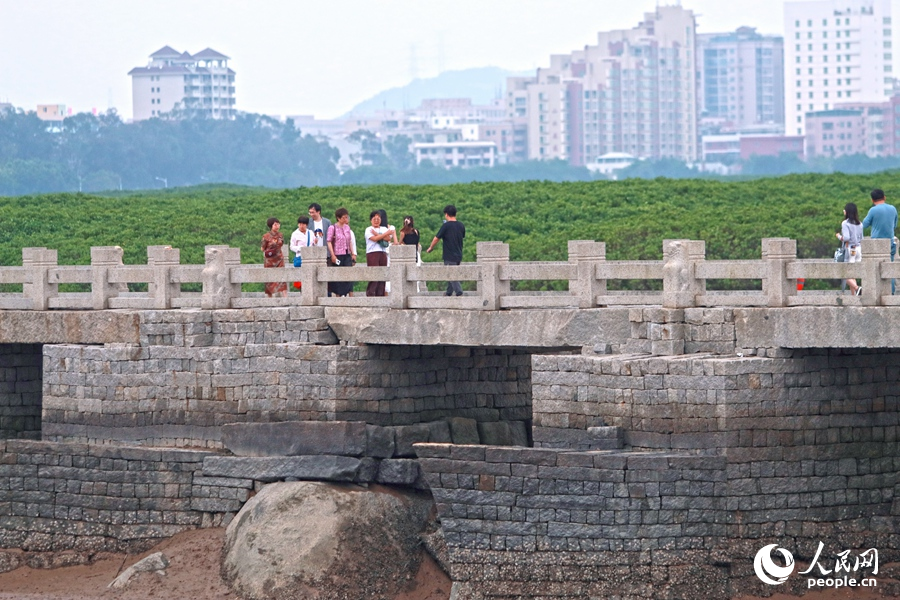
<point x="199" y="84"/>
<point x="836" y="51"/>
<point x="635" y="91"/>
<point x="741" y="78"/>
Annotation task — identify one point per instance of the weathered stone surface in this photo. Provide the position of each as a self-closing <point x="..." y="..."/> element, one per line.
<point x="322" y="468"/>
<point x="343" y="542"/>
<point x="496" y="433"/>
<point x="463" y="431"/>
<point x="399" y="471"/>
<point x="379" y="441"/>
<point x="407" y="435"/>
<point x="556" y="328"/>
<point x="68" y="327"/>
<point x="817" y="327"/>
<point x="296" y="438"/>
<point x="155" y="562"/>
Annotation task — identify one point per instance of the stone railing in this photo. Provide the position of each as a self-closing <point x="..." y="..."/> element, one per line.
<point x="683" y="271"/>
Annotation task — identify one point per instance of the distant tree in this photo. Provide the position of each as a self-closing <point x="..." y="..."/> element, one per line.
<point x="782" y="164"/>
<point x="670" y="168"/>
<point x="397" y="149"/>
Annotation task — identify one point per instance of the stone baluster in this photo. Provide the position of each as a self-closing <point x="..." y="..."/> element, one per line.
<point x="489" y="256"/>
<point x="38" y="262"/>
<point x="402" y="257"/>
<point x="217" y="287"/>
<point x="874" y="254"/>
<point x="679" y="284"/>
<point x="587" y="255"/>
<point x="161" y="289"/>
<point x="104" y="259"/>
<point x="697" y="254"/>
<point x="315" y="260"/>
<point x="777" y="253"/>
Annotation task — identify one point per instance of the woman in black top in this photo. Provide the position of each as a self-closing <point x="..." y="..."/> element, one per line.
<point x="409" y="235"/>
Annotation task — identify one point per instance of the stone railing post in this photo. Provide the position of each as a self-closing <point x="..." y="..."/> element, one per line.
<point x="874" y="254"/>
<point x="217" y="287"/>
<point x="777" y="253"/>
<point x="401" y="257"/>
<point x="586" y="255"/>
<point x="103" y="259"/>
<point x="697" y="254"/>
<point x="489" y="256"/>
<point x="38" y="262"/>
<point x="679" y="284"/>
<point x="315" y="259"/>
<point x="161" y="289"/>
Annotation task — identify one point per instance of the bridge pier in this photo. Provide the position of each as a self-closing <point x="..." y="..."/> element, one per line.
<point x="20" y="391"/>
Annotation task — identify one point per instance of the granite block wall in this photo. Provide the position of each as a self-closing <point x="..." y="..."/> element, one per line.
<point x="107" y="498"/>
<point x="20" y="391"/>
<point x="189" y="376"/>
<point x="525" y="523"/>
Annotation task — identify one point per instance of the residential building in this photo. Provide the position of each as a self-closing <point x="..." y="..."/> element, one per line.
<point x="199" y="84"/>
<point x="456" y="153"/>
<point x="836" y="51"/>
<point x="741" y="78"/>
<point x="771" y="145"/>
<point x="634" y="92"/>
<point x="836" y="132"/>
<point x="51" y="112"/>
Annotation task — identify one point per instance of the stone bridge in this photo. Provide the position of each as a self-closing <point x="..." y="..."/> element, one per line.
<point x="598" y="441"/>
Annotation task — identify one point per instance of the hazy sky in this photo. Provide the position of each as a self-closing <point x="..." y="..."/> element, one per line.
<point x="316" y="57"/>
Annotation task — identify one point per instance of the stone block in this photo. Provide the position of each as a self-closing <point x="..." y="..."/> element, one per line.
<point x="463" y="430"/>
<point x="407" y="435"/>
<point x="380" y="441"/>
<point x="296" y="438"/>
<point x="398" y="471"/>
<point x="315" y="468"/>
<point x="496" y="433"/>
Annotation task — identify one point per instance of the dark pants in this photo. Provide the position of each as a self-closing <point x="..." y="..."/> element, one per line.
<point x="453" y="287"/>
<point x="376" y="259"/>
<point x="341" y="288"/>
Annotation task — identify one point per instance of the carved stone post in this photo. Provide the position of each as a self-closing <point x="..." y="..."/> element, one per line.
<point x="103" y="259"/>
<point x="679" y="285"/>
<point x="696" y="254"/>
<point x="38" y="262"/>
<point x="315" y="260"/>
<point x="777" y="253"/>
<point x="489" y="256"/>
<point x="874" y="254"/>
<point x="161" y="289"/>
<point x="217" y="287"/>
<point x="401" y="257"/>
<point x="587" y="255"/>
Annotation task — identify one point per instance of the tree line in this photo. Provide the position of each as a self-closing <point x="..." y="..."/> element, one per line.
<point x="93" y="153"/>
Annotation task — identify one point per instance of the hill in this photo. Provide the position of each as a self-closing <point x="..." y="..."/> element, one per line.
<point x="481" y="84"/>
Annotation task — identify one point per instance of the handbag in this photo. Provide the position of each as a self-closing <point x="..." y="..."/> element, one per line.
<point x="839" y="254"/>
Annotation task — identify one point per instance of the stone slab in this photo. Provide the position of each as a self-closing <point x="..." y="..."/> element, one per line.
<point x="296" y="438"/>
<point x="314" y="468"/>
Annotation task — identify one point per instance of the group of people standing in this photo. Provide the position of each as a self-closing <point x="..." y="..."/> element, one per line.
<point x="882" y="218"/>
<point x="316" y="230"/>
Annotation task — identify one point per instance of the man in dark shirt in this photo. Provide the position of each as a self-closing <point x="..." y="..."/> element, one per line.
<point x="452" y="233"/>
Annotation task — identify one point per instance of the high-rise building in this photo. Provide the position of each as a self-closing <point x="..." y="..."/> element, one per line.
<point x="635" y="91"/>
<point x="836" y="51"/>
<point x="199" y="84"/>
<point x="741" y="78"/>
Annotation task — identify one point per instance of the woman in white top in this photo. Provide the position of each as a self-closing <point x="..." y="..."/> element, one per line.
<point x="378" y="238"/>
<point x="851" y="236"/>
<point x="302" y="237"/>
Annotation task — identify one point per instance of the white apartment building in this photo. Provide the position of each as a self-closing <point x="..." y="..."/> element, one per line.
<point x="199" y="84"/>
<point x="836" y="51"/>
<point x="741" y="78"/>
<point x="635" y="91"/>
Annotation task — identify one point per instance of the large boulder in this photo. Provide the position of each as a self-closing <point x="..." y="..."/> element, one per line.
<point x="315" y="540"/>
